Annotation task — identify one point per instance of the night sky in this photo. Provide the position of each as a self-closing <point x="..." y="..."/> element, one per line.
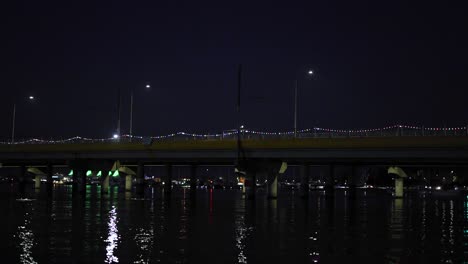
<point x="375" y="64"/>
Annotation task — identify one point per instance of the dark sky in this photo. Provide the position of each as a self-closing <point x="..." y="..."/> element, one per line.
<point x="376" y="64"/>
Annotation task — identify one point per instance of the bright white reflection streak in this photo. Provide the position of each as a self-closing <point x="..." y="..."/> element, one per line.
<point x="241" y="235"/>
<point x="144" y="240"/>
<point x="26" y="236"/>
<point x="113" y="237"/>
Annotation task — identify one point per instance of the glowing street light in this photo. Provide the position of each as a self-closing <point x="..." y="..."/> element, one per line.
<point x="31" y="98"/>
<point x="310" y="72"/>
<point x="148" y="87"/>
<point x="116" y="136"/>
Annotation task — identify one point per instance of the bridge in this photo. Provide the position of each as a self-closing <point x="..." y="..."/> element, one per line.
<point x="384" y="150"/>
<point x="258" y="153"/>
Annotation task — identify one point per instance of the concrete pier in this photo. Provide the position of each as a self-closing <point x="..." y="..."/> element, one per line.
<point x="168" y="179"/>
<point x="272" y="187"/>
<point x="193" y="179"/>
<point x="352" y="182"/>
<point x="399" y="175"/>
<point x="399" y="187"/>
<point x="22" y="182"/>
<point x="75" y="183"/>
<point x="330" y="178"/>
<point x="244" y="188"/>
<point x="50" y="181"/>
<point x="304" y="187"/>
<point x="128" y="183"/>
<point x="37" y="181"/>
<point x="105" y="177"/>
<point x="251" y="184"/>
<point x="83" y="180"/>
<point x="140" y="179"/>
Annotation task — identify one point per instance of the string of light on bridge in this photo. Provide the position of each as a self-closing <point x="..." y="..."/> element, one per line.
<point x="244" y="132"/>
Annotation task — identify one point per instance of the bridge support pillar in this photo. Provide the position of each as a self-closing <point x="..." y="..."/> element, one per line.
<point x="398" y="187"/>
<point x="50" y="181"/>
<point x="271" y="168"/>
<point x="128" y="183"/>
<point x="140" y="179"/>
<point x="168" y="179"/>
<point x="251" y="184"/>
<point x="79" y="178"/>
<point x="82" y="176"/>
<point x="272" y="185"/>
<point x="75" y="183"/>
<point x="352" y="183"/>
<point x="37" y="181"/>
<point x="22" y="181"/>
<point x="105" y="177"/>
<point x="304" y="188"/>
<point x="330" y="178"/>
<point x="193" y="179"/>
<point x="244" y="188"/>
<point x="78" y="168"/>
<point x="399" y="175"/>
<point x="274" y="169"/>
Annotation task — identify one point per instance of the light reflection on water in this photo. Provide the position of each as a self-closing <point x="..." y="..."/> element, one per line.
<point x="144" y="241"/>
<point x="144" y="235"/>
<point x="397" y="229"/>
<point x="26" y="240"/>
<point x="465" y="229"/>
<point x="221" y="227"/>
<point x="314" y="232"/>
<point x="241" y="233"/>
<point x="113" y="238"/>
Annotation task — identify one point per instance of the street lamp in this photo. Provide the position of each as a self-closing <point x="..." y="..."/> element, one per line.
<point x="31" y="98"/>
<point x="148" y="87"/>
<point x="309" y="73"/>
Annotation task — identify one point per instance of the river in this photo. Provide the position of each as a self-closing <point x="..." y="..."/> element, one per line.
<point x="220" y="226"/>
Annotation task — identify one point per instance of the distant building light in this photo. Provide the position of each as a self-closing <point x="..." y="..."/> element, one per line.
<point x="116" y="136"/>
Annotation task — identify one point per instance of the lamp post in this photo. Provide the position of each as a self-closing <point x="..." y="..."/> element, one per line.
<point x="31" y="98"/>
<point x="309" y="73"/>
<point x="147" y="86"/>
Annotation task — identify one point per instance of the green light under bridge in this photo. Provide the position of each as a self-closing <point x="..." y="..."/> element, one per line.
<point x="71" y="173"/>
<point x="89" y="173"/>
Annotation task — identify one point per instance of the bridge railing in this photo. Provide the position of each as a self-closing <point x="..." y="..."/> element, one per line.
<point x="246" y="134"/>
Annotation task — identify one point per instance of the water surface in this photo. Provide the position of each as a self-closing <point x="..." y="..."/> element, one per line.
<point x="220" y="226"/>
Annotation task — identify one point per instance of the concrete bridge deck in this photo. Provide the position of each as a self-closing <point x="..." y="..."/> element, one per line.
<point x="387" y="150"/>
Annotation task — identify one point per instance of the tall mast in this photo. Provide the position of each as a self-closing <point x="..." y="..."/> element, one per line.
<point x="119" y="113"/>
<point x="239" y="85"/>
